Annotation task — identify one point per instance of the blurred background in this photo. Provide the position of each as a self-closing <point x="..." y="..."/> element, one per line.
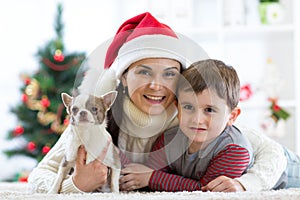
<point x="259" y="38"/>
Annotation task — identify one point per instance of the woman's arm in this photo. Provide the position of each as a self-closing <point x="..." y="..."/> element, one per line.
<point x="269" y="164"/>
<point x="43" y="176"/>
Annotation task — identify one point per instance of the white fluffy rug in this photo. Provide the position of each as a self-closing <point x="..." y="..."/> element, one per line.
<point x="19" y="191"/>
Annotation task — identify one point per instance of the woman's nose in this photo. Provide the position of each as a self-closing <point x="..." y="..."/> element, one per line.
<point x="155" y="84"/>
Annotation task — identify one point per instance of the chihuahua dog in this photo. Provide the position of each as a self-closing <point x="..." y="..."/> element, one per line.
<point x="88" y="127"/>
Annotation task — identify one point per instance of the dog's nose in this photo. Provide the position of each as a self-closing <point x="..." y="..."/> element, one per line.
<point x="83" y="113"/>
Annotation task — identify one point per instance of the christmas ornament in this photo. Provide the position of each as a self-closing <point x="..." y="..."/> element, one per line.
<point x="61" y="67"/>
<point x="31" y="146"/>
<point x="274" y="122"/>
<point x="30" y="98"/>
<point x="22" y="176"/>
<point x="45" y="149"/>
<point x="58" y="56"/>
<point x="45" y="101"/>
<point x="24" y="98"/>
<point x="245" y="92"/>
<point x="277" y="112"/>
<point x="19" y="130"/>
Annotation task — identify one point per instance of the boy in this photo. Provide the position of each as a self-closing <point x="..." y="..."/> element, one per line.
<point x="206" y="144"/>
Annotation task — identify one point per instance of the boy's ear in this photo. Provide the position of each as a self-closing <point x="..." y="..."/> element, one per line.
<point x="233" y="116"/>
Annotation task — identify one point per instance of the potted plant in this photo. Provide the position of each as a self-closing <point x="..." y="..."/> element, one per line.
<point x="270" y="11"/>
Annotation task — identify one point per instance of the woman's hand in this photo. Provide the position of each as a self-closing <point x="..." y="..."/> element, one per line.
<point x="223" y="184"/>
<point x="135" y="176"/>
<point x="88" y="177"/>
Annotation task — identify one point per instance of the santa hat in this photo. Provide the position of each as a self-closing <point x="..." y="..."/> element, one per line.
<point x="141" y="37"/>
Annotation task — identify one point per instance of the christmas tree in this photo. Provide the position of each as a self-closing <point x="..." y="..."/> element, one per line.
<point x="41" y="114"/>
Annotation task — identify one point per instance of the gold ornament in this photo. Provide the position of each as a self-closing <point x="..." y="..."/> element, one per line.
<point x="45" y="118"/>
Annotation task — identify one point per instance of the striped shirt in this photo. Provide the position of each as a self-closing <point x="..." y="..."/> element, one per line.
<point x="230" y="154"/>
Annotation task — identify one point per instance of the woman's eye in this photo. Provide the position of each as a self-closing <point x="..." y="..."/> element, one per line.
<point x="144" y="72"/>
<point x="170" y="74"/>
<point x="94" y="110"/>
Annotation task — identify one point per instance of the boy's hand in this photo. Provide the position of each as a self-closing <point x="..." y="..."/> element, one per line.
<point x="135" y="176"/>
<point x="223" y="184"/>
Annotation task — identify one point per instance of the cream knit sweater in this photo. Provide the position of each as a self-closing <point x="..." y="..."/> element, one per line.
<point x="260" y="177"/>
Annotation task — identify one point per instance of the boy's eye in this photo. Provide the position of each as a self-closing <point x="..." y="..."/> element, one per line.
<point x="210" y="110"/>
<point x="94" y="110"/>
<point x="188" y="107"/>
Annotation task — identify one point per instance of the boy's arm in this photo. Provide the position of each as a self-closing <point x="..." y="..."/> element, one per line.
<point x="231" y="162"/>
<point x="165" y="181"/>
<point x="161" y="179"/>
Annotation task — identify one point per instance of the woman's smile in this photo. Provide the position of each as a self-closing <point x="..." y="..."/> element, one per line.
<point x="154" y="99"/>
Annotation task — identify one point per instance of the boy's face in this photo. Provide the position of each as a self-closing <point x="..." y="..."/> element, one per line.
<point x="203" y="116"/>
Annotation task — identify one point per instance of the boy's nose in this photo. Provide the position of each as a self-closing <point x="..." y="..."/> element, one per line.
<point x="198" y="117"/>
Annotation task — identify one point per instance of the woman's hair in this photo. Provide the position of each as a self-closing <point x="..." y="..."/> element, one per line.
<point x="215" y="75"/>
<point x="115" y="114"/>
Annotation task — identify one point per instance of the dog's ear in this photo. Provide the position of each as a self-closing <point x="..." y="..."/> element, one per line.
<point x="67" y="99"/>
<point x="109" y="98"/>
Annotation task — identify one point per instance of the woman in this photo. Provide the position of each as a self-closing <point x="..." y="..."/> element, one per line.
<point x="147" y="57"/>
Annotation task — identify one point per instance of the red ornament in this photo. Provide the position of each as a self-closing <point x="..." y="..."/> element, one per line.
<point x="58" y="56"/>
<point x="31" y="146"/>
<point x="45" y="149"/>
<point x="276" y="107"/>
<point x="245" y="92"/>
<point x="24" y="98"/>
<point x="27" y="81"/>
<point x="23" y="179"/>
<point x="19" y="130"/>
<point x="66" y="122"/>
<point x="45" y="102"/>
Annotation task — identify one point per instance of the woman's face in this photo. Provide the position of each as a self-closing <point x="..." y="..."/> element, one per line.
<point x="151" y="83"/>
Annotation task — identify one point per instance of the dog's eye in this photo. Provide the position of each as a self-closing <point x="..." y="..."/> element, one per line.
<point x="94" y="110"/>
<point x="74" y="110"/>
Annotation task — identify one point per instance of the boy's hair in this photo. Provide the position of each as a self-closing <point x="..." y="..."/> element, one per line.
<point x="215" y="75"/>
